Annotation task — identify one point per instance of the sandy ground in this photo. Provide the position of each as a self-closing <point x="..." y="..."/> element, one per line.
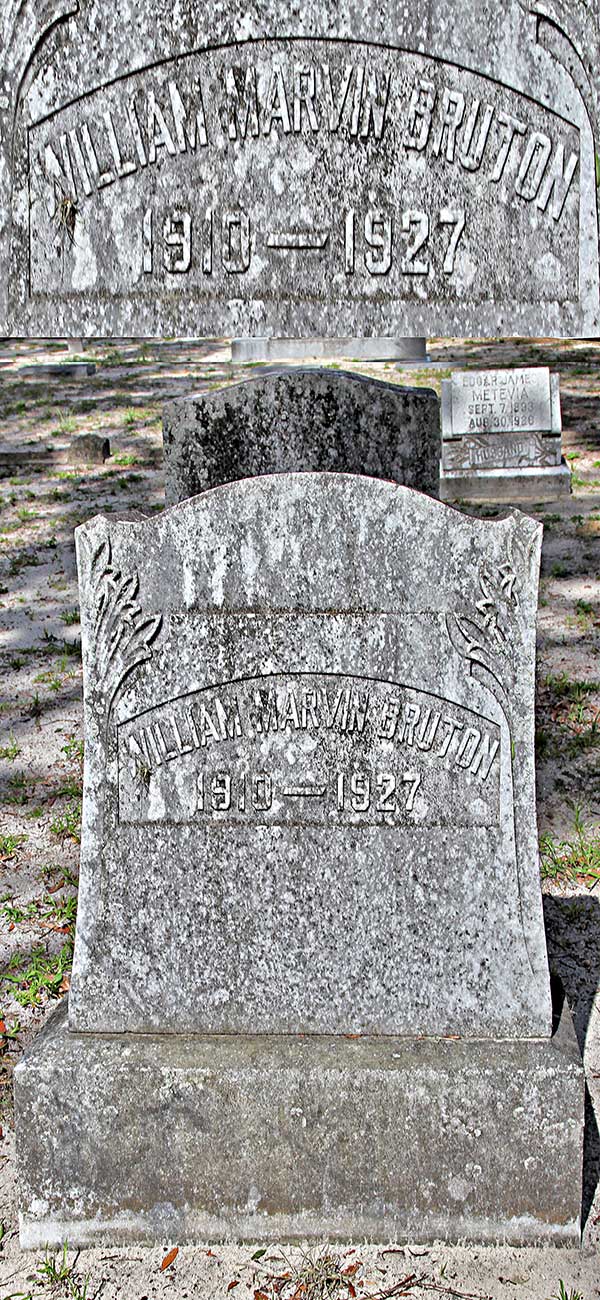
<point x="40" y="780"/>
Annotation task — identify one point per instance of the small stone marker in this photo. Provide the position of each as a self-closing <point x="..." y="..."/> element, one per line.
<point x="301" y="419"/>
<point x="60" y="370"/>
<point x="282" y="170"/>
<point x="84" y="449"/>
<point x="501" y="436"/>
<point x="89" y="449"/>
<point x="309" y="815"/>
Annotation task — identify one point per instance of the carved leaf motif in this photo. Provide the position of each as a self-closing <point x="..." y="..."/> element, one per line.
<point x="123" y="633"/>
<point x="483" y="634"/>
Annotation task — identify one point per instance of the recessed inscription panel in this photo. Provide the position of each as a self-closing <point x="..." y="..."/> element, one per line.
<point x="314" y="750"/>
<point x="310" y="169"/>
<point x="501" y="451"/>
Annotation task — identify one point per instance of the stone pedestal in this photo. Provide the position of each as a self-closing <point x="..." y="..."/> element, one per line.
<point x="187" y="1137"/>
<point x="409" y="351"/>
<point x="531" y="483"/>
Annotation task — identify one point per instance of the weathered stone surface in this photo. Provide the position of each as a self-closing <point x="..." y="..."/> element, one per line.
<point x="304" y="419"/>
<point x="332" y="349"/>
<point x="281" y="170"/>
<point x="183" y="1138"/>
<point x="61" y="369"/>
<point x="309" y="788"/>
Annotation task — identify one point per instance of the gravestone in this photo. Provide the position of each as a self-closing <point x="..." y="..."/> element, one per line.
<point x="301" y="419"/>
<point x="284" y="171"/>
<point x="501" y="436"/>
<point x="310" y="991"/>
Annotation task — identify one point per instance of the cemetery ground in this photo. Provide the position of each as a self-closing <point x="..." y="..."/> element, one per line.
<point x="41" y="749"/>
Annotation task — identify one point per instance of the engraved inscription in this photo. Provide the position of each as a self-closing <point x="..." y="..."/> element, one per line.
<point x="387" y="171"/>
<point x="501" y="451"/>
<point x="495" y="401"/>
<point x="309" y="748"/>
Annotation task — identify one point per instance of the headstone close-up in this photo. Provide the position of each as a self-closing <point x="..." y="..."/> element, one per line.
<point x="308" y="756"/>
<point x="386" y="170"/>
<point x="501" y="436"/>
<point x="309" y="877"/>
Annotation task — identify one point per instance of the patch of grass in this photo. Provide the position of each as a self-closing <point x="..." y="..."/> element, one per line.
<point x="65" y="876"/>
<point x="61" y="910"/>
<point x="12" y="750"/>
<point x="319" y="1276"/>
<point x="125" y="460"/>
<point x="54" y="1269"/>
<point x="15" y="915"/>
<point x="10" y="1033"/>
<point x="73" y="749"/>
<point x="563" y="1294"/>
<point x="573" y="713"/>
<point x="17" y="785"/>
<point x="66" y="424"/>
<point x="559" y="570"/>
<point x="70" y="617"/>
<point x="62" y="647"/>
<point x="566" y="687"/>
<point x="575" y="859"/>
<point x="71" y="787"/>
<point x="33" y="975"/>
<point x="68" y="822"/>
<point x="9" y="845"/>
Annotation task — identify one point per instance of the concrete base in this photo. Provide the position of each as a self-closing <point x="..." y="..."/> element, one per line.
<point x="409" y="350"/>
<point x="543" y="483"/>
<point x="184" y="1138"/>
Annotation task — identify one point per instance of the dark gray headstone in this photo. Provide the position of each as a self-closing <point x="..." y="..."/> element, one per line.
<point x="381" y="169"/>
<point x="302" y="420"/>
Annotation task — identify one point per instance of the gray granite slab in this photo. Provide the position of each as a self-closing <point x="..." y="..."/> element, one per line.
<point x="266" y="1138"/>
<point x="336" y="169"/>
<point x="301" y="419"/>
<point x="309" y="783"/>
